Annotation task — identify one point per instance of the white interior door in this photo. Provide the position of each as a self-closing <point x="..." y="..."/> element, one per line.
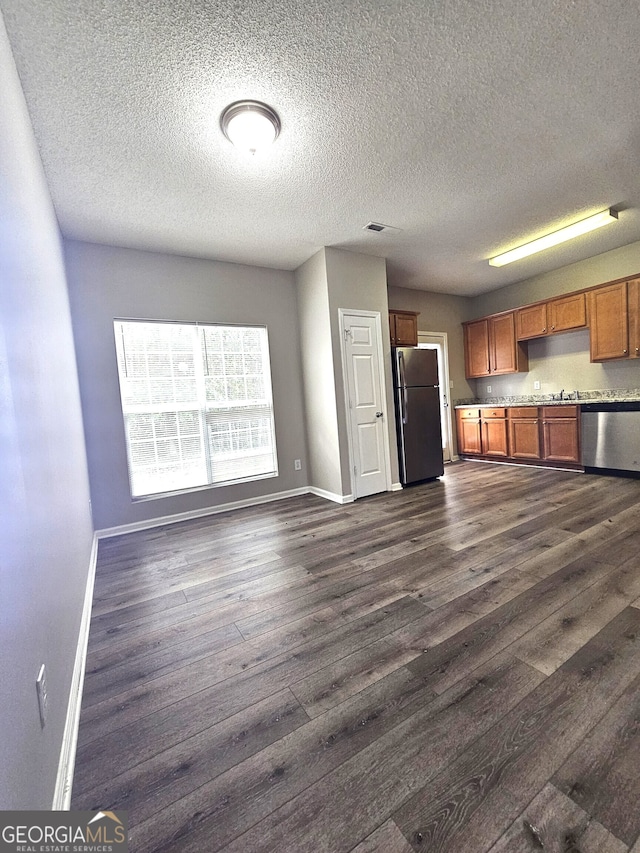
<point x="366" y="413"/>
<point x="438" y="342"/>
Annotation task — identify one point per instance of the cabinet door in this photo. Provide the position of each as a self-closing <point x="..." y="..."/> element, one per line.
<point x="406" y="330"/>
<point x="569" y="312"/>
<point x="494" y="437"/>
<point x="561" y="434"/>
<point x="531" y="322"/>
<point x="476" y="349"/>
<point x="634" y="317"/>
<point x="524" y="438"/>
<point x="469" y="441"/>
<point x="392" y="328"/>
<point x="608" y="322"/>
<point x="503" y="349"/>
<point x="403" y="328"/>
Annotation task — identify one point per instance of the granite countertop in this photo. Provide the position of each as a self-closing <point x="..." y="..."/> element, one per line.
<point x="615" y="396"/>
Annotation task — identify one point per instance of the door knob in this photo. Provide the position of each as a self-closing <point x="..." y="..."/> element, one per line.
<point x="379" y="414"/>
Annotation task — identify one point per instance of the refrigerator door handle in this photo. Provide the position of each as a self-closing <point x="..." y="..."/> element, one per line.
<point x="404" y="404"/>
<point x="401" y="369"/>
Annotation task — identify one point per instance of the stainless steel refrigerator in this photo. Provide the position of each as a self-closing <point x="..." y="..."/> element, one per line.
<point x="417" y="395"/>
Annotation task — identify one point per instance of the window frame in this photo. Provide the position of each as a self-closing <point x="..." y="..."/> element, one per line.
<point x="203" y="405"/>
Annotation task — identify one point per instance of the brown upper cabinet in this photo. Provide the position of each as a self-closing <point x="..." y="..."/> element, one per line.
<point x="567" y="313"/>
<point x="403" y="328"/>
<point x="614" y="320"/>
<point x="633" y="299"/>
<point x="476" y="348"/>
<point x="611" y="311"/>
<point x="531" y="321"/>
<point x="549" y="318"/>
<point x="491" y="348"/>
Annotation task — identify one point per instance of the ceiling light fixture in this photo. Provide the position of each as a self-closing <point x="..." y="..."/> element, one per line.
<point x="568" y="233"/>
<point x="250" y="125"/>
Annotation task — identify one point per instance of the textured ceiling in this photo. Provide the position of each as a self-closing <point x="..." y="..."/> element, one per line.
<point x="471" y="125"/>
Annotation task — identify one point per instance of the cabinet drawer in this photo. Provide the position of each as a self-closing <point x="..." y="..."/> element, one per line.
<point x="469" y="413"/>
<point x="559" y="412"/>
<point x="522" y="412"/>
<point x="489" y="414"/>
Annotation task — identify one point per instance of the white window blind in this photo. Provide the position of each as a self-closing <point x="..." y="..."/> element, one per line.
<point x="197" y="404"/>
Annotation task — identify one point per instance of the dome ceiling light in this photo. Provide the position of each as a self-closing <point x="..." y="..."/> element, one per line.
<point x="250" y="125"/>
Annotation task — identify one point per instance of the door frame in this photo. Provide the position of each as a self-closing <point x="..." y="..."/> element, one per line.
<point x="343" y="313"/>
<point x="447" y="421"/>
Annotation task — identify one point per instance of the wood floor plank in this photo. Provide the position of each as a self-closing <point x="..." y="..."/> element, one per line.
<point x="154" y="784"/>
<point x="555" y="639"/>
<point x="113" y="677"/>
<point x="456" y="583"/>
<point x="554" y="823"/>
<point x="480" y="794"/>
<point x="458" y="656"/>
<point x="296" y="676"/>
<point x="601" y="775"/>
<point x="380" y="777"/>
<point x="386" y="839"/>
<point x="306" y="756"/>
<point x="189" y="699"/>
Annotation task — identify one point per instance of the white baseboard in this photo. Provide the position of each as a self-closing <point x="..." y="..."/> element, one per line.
<point x="66" y="764"/>
<point x="148" y="523"/>
<point x="331" y="496"/>
<point x="396" y="487"/>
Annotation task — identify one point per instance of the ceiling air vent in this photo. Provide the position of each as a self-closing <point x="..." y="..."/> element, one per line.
<point x="376" y="227"/>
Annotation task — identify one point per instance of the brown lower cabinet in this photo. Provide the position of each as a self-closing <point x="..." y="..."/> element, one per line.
<point x="561" y="433"/>
<point x="494" y="432"/>
<point x="525" y="434"/>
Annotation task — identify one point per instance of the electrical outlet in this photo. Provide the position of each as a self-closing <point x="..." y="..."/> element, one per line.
<point x="297" y="464"/>
<point x="536" y="385"/>
<point x="488" y="389"/>
<point x="41" y="689"/>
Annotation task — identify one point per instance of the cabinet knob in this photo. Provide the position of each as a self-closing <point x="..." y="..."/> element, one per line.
<point x="552" y="328"/>
<point x="624" y="350"/>
<point x="545" y="329"/>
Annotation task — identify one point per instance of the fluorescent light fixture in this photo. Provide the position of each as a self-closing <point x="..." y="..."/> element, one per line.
<point x="568" y="233"/>
<point x="250" y="125"/>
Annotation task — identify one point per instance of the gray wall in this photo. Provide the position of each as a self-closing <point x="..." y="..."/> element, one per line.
<point x="47" y="533"/>
<point x="107" y="282"/>
<point x="318" y="374"/>
<point x="562" y="361"/>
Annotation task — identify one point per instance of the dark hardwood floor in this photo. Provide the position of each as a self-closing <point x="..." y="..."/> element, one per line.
<point x="454" y="667"/>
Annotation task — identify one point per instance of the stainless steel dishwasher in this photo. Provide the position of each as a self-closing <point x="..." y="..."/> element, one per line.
<point x="611" y="438"/>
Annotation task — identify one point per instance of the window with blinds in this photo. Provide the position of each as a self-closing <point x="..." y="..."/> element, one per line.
<point x="197" y="404"/>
